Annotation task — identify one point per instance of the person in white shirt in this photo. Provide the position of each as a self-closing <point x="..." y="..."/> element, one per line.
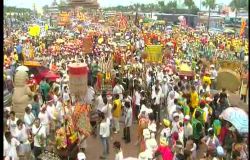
<point x="213" y="76"/>
<point x="39" y="134"/>
<point x="99" y="101"/>
<point x="107" y="109"/>
<point x="128" y="122"/>
<point x="188" y="128"/>
<point x="165" y="90"/>
<point x="28" y="118"/>
<point x="137" y="101"/>
<point x="118" y="89"/>
<point x="66" y="96"/>
<point x="171" y="107"/>
<point x="104" y="134"/>
<point x="157" y="85"/>
<point x="44" y="119"/>
<point x="156" y="97"/>
<point x="90" y="96"/>
<point x="175" y="123"/>
<point x="145" y="111"/>
<point x="11" y="122"/>
<point x="53" y="115"/>
<point x="22" y="136"/>
<point x="118" y="150"/>
<point x="10" y="146"/>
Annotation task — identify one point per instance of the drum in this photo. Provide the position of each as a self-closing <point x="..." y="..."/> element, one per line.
<point x="78" y="79"/>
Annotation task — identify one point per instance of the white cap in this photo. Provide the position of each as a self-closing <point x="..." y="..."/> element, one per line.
<point x="30" y="106"/>
<point x="152" y="127"/>
<point x="81" y="156"/>
<point x="185" y="77"/>
<point x="175" y="114"/>
<point x="32" y="76"/>
<point x="7" y="109"/>
<point x="146" y="133"/>
<point x="212" y="66"/>
<point x="187" y="117"/>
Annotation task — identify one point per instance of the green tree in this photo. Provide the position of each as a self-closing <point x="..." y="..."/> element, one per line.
<point x="45" y="9"/>
<point x="236" y="5"/>
<point x="161" y="5"/>
<point x="190" y="4"/>
<point x="210" y="4"/>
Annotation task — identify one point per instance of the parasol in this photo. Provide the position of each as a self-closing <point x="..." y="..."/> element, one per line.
<point x="50" y="75"/>
<point x="238" y="117"/>
<point x="22" y="68"/>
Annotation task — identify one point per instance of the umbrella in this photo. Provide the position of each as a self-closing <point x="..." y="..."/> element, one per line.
<point x="229" y="31"/>
<point x="238" y="117"/>
<point x="22" y="68"/>
<point x="50" y="75"/>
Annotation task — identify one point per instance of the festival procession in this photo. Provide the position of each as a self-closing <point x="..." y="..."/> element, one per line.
<point x="87" y="82"/>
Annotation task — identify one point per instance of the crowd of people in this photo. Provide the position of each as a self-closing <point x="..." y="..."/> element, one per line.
<point x="177" y="117"/>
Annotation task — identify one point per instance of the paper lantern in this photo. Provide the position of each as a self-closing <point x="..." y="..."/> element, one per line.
<point x="78" y="79"/>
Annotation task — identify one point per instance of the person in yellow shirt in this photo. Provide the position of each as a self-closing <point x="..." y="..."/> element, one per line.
<point x="116" y="111"/>
<point x="194" y="99"/>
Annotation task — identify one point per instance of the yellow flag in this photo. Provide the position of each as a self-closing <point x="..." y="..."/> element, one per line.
<point x="46" y="27"/>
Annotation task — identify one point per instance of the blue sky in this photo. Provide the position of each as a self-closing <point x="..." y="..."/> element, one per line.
<point x="103" y="3"/>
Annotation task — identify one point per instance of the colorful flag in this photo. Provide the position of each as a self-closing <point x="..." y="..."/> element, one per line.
<point x="122" y="22"/>
<point x="243" y="26"/>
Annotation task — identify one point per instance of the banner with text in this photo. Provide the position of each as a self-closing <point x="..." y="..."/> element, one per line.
<point x="154" y="53"/>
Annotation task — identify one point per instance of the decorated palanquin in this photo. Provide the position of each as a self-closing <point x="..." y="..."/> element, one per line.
<point x="66" y="136"/>
<point x="81" y="120"/>
<point x="66" y="140"/>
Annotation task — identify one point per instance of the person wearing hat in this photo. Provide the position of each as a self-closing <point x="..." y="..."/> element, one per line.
<point x="175" y="123"/>
<point x="81" y="156"/>
<point x="166" y="131"/>
<point x="188" y="128"/>
<point x="164" y="150"/>
<point x="211" y="141"/>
